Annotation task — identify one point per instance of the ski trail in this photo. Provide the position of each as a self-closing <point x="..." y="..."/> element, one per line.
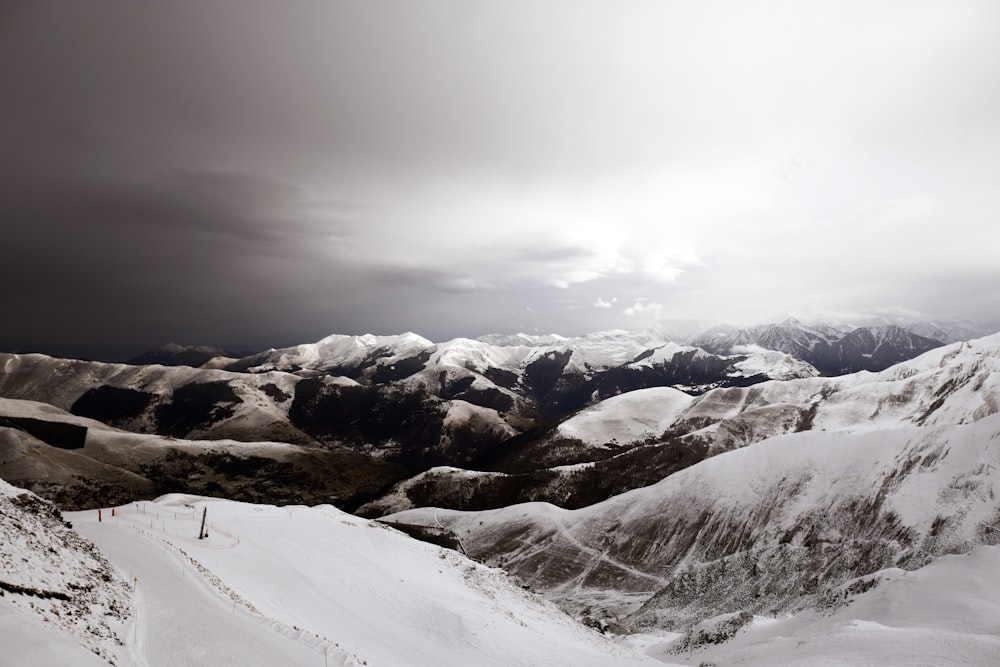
<point x="601" y="556"/>
<point x="217" y="627"/>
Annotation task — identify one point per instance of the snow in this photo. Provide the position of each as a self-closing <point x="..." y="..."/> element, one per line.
<point x="939" y="484"/>
<point x="773" y="364"/>
<point x="340" y="350"/>
<point x="946" y="613"/>
<point x="56" y="590"/>
<point x="25" y="641"/>
<point x="282" y="585"/>
<point x="627" y="418"/>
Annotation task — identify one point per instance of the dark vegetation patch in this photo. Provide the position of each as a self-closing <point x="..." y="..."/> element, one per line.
<point x="400" y="369"/>
<point x="540" y="448"/>
<point x="55" y="434"/>
<point x="488" y="398"/>
<point x="112" y="405"/>
<point x="541" y="375"/>
<point x="640" y="466"/>
<point x="196" y="405"/>
<point x="274" y="391"/>
<point x="360" y="416"/>
<point x="449" y="390"/>
<point x="88" y="493"/>
<point x="720" y="632"/>
<point x="343" y="478"/>
<point x="500" y="377"/>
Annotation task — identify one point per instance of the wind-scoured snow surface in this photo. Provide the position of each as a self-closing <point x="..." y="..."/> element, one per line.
<point x="314" y="586"/>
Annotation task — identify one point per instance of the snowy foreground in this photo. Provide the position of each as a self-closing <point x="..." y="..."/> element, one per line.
<point x="316" y="586"/>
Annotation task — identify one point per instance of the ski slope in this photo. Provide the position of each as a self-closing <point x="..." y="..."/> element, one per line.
<point x="316" y="586"/>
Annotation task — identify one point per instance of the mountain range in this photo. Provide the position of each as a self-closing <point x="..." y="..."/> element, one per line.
<point x="713" y="503"/>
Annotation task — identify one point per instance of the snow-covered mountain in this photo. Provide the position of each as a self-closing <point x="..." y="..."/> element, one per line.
<point x="399" y="402"/>
<point x="831" y="349"/>
<point x="640" y="437"/>
<point x="515" y="373"/>
<point x="778" y="526"/>
<point x="173" y="354"/>
<point x="788" y="520"/>
<point x="403" y="407"/>
<point x="946" y="331"/>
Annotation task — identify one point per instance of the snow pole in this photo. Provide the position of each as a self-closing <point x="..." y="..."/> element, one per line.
<point x="112" y="511"/>
<point x="99" y="516"/>
<point x="201" y="531"/>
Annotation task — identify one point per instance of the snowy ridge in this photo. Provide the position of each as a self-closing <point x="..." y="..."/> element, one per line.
<point x="337" y="350"/>
<point x="627" y="418"/>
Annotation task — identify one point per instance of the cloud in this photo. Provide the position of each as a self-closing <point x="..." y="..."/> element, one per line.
<point x="213" y="185"/>
<point x="644" y="307"/>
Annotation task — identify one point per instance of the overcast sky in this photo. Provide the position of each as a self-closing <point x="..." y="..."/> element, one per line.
<point x="264" y="174"/>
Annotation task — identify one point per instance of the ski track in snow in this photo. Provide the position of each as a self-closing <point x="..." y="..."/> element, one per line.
<point x="277" y="584"/>
<point x="217" y="626"/>
<point x="597" y="558"/>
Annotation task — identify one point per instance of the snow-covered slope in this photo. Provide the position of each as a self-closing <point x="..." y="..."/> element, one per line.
<point x="336" y="352"/>
<point x="300" y="586"/>
<point x="61" y="603"/>
<point x="627" y="418"/>
<point x="766" y="528"/>
<point x="946" y="613"/>
<point x="956" y="384"/>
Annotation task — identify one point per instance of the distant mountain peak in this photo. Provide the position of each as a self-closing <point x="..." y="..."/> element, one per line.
<point x="174" y="354"/>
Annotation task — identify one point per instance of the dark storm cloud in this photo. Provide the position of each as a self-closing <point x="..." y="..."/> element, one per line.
<point x="260" y="173"/>
<point x="248" y="208"/>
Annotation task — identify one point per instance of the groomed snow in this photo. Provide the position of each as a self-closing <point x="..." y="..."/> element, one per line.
<point x="283" y="585"/>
